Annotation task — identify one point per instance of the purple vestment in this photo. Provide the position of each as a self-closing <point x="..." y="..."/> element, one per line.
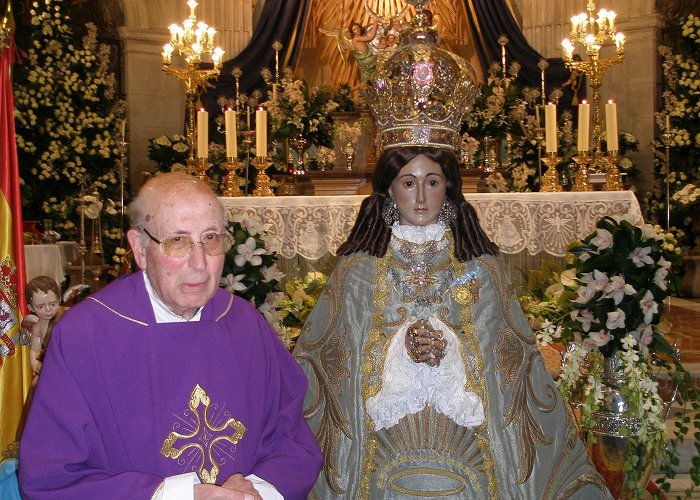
<point x="123" y="402"/>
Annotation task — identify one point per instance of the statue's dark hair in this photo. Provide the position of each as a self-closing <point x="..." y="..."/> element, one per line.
<point x="371" y="233"/>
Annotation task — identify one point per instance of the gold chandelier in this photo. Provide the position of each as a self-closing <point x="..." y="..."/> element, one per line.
<point x="193" y="40"/>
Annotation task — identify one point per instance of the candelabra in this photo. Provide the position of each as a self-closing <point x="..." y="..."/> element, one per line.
<point x="122" y="145"/>
<point x="192" y="40"/>
<point x="231" y="181"/>
<point x="612" y="173"/>
<point x="550" y="179"/>
<point x="594" y="32"/>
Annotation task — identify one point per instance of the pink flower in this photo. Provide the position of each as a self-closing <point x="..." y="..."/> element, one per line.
<point x="584" y="316"/>
<point x="600" y="338"/>
<point x="649" y="306"/>
<point x="640" y="256"/>
<point x="597" y="281"/>
<point x="617" y="289"/>
<point x="616" y="319"/>
<point x="603" y="239"/>
<point x="585" y="294"/>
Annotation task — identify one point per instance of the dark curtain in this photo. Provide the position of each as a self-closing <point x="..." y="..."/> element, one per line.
<point x="281" y="20"/>
<point x="490" y="19"/>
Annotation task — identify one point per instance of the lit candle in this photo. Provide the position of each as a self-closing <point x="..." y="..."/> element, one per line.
<point x="260" y="132"/>
<point x="550" y="124"/>
<point x="247" y="119"/>
<point x="231" y="140"/>
<point x="202" y="134"/>
<point x="584" y="115"/>
<point x="611" y="125"/>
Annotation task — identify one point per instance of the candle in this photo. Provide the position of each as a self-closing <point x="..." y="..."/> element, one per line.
<point x="202" y="134"/>
<point x="124" y="130"/>
<point x="231" y="140"/>
<point x="550" y="124"/>
<point x="537" y="115"/>
<point x="274" y="91"/>
<point x="668" y="123"/>
<point x="247" y="119"/>
<point x="611" y="125"/>
<point x="584" y="115"/>
<point x="260" y="132"/>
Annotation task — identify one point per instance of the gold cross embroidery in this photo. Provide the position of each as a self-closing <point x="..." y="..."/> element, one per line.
<point x="205" y="436"/>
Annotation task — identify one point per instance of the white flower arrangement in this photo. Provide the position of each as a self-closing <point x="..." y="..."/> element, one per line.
<point x="609" y="304"/>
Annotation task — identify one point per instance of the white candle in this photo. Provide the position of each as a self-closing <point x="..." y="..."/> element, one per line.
<point x="247" y="119"/>
<point x="124" y="130"/>
<point x="584" y="115"/>
<point x="611" y="125"/>
<point x="202" y="134"/>
<point x="668" y="123"/>
<point x="231" y="140"/>
<point x="261" y="132"/>
<point x="550" y="124"/>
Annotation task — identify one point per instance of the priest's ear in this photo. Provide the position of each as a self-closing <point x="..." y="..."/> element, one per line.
<point x="139" y="243"/>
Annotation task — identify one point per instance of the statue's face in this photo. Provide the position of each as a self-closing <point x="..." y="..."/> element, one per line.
<point x="44" y="304"/>
<point x="419" y="191"/>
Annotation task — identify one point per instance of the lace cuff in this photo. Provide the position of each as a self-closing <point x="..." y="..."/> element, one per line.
<point x="407" y="386"/>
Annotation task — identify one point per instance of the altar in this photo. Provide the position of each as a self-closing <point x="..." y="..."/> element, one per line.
<point x="306" y="231"/>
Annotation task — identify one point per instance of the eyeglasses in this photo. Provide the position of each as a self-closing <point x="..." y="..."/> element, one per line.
<point x="180" y="246"/>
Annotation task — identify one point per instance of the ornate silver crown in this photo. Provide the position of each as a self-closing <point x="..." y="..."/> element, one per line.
<point x="421" y="92"/>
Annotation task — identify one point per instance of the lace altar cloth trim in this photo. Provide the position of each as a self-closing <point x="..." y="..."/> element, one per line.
<point x="311" y="226"/>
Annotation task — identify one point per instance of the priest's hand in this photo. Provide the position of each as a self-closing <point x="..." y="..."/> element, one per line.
<point x="236" y="487"/>
<point x="425" y="344"/>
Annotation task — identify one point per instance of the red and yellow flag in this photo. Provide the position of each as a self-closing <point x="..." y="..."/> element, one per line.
<point x="15" y="372"/>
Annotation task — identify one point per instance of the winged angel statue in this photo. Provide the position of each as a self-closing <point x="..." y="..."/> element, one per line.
<point x="387" y="18"/>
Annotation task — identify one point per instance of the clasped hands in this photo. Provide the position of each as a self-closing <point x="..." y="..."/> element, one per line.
<point x="236" y="487"/>
<point x="425" y="344"/>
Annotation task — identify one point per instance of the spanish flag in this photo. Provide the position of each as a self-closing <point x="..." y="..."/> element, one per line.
<point x="15" y="372"/>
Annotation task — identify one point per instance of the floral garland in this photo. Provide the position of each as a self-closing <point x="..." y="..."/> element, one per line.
<point x="608" y="304"/>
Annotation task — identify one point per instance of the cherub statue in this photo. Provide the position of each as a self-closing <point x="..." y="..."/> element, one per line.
<point x="43" y="300"/>
<point x="355" y="39"/>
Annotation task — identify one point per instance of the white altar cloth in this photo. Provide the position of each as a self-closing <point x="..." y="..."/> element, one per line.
<point x="519" y="223"/>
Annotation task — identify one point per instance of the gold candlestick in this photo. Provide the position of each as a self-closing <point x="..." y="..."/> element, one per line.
<point x="199" y="170"/>
<point x="550" y="179"/>
<point x="612" y="174"/>
<point x="231" y="182"/>
<point x="262" y="180"/>
<point x="581" y="179"/>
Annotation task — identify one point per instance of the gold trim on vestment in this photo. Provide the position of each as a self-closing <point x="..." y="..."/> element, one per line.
<point x="228" y="308"/>
<point x="138" y="322"/>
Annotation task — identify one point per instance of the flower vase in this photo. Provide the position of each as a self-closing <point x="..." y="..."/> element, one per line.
<point x="612" y="447"/>
<point x="489" y="145"/>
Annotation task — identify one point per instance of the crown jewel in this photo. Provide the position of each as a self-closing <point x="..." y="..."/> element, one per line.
<point x="421" y="92"/>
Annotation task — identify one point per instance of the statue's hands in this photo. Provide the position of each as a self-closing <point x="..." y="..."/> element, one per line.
<point x="425" y="344"/>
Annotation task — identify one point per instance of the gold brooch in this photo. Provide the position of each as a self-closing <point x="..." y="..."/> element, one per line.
<point x="461" y="294"/>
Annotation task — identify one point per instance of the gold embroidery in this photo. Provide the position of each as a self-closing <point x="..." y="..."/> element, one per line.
<point x="427" y="471"/>
<point x="204" y="432"/>
<point x="461" y="294"/>
<point x="474" y="287"/>
<point x="118" y="313"/>
<point x="327" y="356"/>
<point x="477" y="383"/>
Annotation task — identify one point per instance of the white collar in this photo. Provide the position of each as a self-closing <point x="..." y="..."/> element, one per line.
<point x="419" y="234"/>
<point x="161" y="311"/>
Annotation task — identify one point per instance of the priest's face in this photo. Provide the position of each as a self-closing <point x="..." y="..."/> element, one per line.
<point x="419" y="191"/>
<point x="183" y="283"/>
